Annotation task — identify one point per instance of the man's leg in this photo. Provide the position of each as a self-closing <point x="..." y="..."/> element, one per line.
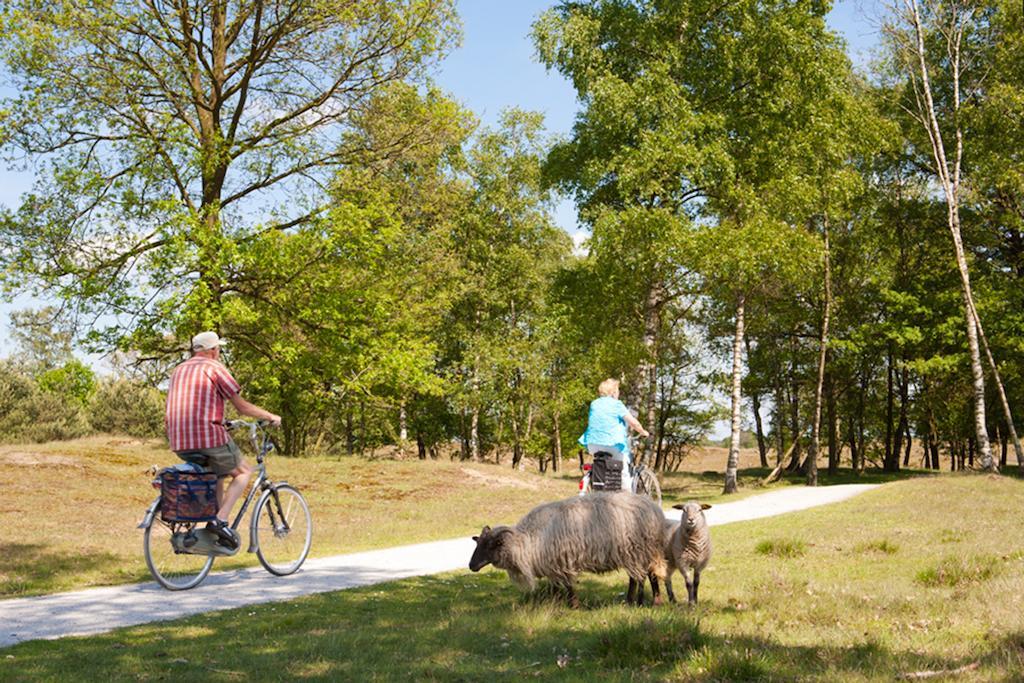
<point x="241" y="476"/>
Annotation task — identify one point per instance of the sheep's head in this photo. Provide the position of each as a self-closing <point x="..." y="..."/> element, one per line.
<point x="693" y="514"/>
<point x="489" y="546"/>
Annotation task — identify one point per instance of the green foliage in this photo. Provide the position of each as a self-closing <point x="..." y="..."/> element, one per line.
<point x="164" y="142"/>
<point x="29" y="413"/>
<point x="122" y="406"/>
<point x="74" y="381"/>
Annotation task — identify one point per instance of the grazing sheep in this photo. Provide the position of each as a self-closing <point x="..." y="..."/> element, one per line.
<point x="690" y="548"/>
<point x="597" y="533"/>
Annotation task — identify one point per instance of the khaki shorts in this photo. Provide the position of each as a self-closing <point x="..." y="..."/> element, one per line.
<point x="219" y="459"/>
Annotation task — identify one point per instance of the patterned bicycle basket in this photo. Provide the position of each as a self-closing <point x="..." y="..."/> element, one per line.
<point x="187" y="496"/>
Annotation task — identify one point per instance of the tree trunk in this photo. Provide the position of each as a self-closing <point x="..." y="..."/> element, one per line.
<point x="517" y="441"/>
<point x="909" y="442"/>
<point x="812" y="458"/>
<point x="902" y="428"/>
<point x="737" y="400"/>
<point x="403" y="426"/>
<point x="833" y="426"/>
<point x="780" y="432"/>
<point x="852" y="436"/>
<point x="887" y="463"/>
<point x="474" y="419"/>
<point x="1007" y="415"/>
<point x="860" y="420"/>
<point x="652" y="326"/>
<point x="755" y="399"/>
<point x="794" y="418"/>
<point x="556" y="450"/>
<point x="1003" y="443"/>
<point x="350" y="437"/>
<point x="949" y="178"/>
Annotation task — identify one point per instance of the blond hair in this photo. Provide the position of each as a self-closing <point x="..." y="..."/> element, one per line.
<point x="608" y="387"/>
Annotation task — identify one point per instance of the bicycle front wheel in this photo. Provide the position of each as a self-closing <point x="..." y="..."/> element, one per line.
<point x="284" y="530"/>
<point x="173" y="570"/>
<point x="647" y="485"/>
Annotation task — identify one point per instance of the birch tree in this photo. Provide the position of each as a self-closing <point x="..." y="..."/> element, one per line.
<point x="928" y="38"/>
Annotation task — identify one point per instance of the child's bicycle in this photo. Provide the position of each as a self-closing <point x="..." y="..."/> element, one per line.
<point x="643" y="481"/>
<point x="180" y="554"/>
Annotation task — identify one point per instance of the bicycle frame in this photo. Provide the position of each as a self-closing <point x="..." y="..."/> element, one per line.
<point x="261" y="484"/>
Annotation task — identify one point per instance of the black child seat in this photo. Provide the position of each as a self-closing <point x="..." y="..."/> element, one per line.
<point x="606" y="473"/>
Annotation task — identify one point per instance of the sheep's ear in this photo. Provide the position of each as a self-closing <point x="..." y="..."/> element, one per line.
<point x="705" y="506"/>
<point x="678" y="506"/>
<point x="476" y="538"/>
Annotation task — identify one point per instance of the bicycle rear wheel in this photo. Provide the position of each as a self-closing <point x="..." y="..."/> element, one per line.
<point x="173" y="570"/>
<point x="284" y="530"/>
<point x="647" y="485"/>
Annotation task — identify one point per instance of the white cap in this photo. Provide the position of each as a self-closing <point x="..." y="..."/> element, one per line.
<point x="204" y="341"/>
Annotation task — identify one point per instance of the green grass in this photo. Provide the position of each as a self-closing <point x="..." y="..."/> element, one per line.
<point x="884" y="546"/>
<point x="71" y="508"/>
<point x="781" y="547"/>
<point x="846" y="610"/>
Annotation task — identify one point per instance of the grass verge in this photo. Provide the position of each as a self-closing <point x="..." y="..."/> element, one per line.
<point x="846" y="610"/>
<point x="70" y="508"/>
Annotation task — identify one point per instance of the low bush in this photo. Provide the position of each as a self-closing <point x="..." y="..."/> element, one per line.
<point x="120" y="406"/>
<point x="29" y="413"/>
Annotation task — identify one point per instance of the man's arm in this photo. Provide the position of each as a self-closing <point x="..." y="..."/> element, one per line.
<point x="246" y="408"/>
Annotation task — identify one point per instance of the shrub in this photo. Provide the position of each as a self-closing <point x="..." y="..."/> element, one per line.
<point x="121" y="406"/>
<point x="73" y="381"/>
<point x="30" y="413"/>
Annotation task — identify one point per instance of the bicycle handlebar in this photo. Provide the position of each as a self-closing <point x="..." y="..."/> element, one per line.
<point x="235" y="424"/>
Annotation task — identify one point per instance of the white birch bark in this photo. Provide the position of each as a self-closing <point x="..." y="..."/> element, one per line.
<point x="737" y="399"/>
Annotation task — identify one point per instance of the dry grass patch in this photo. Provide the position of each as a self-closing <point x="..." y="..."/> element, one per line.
<point x="71" y="508"/>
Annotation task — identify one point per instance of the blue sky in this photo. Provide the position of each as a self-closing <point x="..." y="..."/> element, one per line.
<point x="495" y="69"/>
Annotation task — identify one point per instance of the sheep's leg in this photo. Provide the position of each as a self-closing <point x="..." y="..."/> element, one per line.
<point x="691" y="592"/>
<point x="655" y="589"/>
<point x="696" y="585"/>
<point x="668" y="588"/>
<point x="570" y="596"/>
<point x="635" y="595"/>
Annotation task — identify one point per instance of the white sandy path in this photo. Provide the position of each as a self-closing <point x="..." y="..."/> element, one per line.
<point x="97" y="610"/>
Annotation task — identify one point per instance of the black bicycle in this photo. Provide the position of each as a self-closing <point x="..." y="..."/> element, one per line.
<point x="644" y="481"/>
<point x="180" y="554"/>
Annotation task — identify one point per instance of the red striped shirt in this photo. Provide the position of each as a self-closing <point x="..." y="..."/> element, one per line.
<point x="195" y="404"/>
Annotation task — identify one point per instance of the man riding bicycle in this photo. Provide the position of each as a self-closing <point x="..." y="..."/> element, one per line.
<point x="198" y="390"/>
<point x="608" y="427"/>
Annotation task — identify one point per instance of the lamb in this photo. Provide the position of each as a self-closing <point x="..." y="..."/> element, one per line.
<point x="668" y="531"/>
<point x="597" y="533"/>
<point x="689" y="549"/>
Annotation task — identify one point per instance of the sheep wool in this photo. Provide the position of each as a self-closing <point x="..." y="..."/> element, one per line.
<point x="597" y="533"/>
<point x="691" y="545"/>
